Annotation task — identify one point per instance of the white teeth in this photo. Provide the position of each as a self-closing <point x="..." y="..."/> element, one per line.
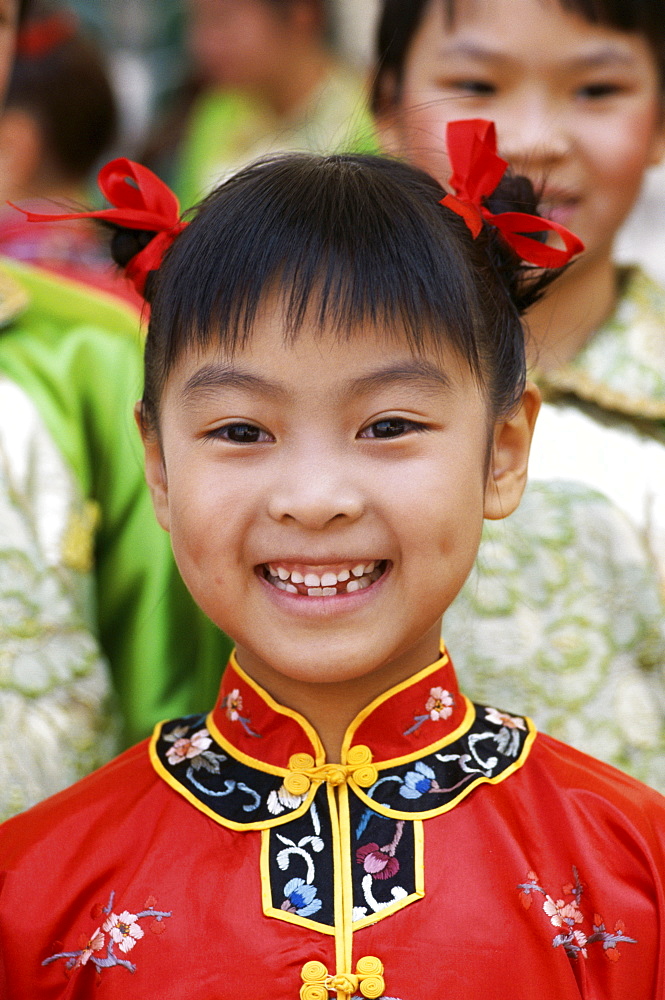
<point x="343" y="576"/>
<point x="280" y="584"/>
<point x="272" y="570"/>
<point x="297" y="577"/>
<point x="283" y="573"/>
<point x="363" y="583"/>
<point x="352" y="586"/>
<point x="329" y="580"/>
<point x="358" y="570"/>
<point x="369" y="567"/>
<point x="329" y="591"/>
<point x="291" y="589"/>
<point x="314" y="591"/>
<point x="312" y="580"/>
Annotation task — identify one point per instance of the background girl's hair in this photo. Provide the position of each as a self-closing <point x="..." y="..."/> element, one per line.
<point x="399" y="20"/>
<point x="67" y="89"/>
<point x="344" y="241"/>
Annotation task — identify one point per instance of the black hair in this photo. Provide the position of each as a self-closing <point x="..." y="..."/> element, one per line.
<point x="67" y="89"/>
<point x="399" y="20"/>
<point x="347" y="240"/>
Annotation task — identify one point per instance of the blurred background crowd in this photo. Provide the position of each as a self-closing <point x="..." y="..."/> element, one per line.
<point x="154" y="69"/>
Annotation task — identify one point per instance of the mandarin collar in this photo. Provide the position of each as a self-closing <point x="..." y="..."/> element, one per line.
<point x="412" y="753"/>
<point x="424" y="711"/>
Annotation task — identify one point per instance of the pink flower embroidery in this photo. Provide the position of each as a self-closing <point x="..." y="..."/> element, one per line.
<point x="233" y="703"/>
<point x="95" y="943"/>
<point x="503" y="719"/>
<point x="188" y="747"/>
<point x="376" y="862"/>
<point x="565" y="915"/>
<point x="440" y="703"/>
<point x="124" y="929"/>
<point x="561" y="913"/>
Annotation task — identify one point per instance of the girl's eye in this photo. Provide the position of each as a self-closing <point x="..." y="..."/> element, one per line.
<point x="477" y="88"/>
<point x="241" y="434"/>
<point x="392" y="427"/>
<point x="594" y="91"/>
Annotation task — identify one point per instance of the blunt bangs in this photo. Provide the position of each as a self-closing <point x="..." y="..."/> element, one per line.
<point x="343" y="241"/>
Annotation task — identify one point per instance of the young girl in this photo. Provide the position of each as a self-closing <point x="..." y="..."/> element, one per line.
<point x="334" y="401"/>
<point x="583" y="118"/>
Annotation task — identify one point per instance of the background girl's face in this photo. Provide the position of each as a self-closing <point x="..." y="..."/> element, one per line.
<point x="237" y="43"/>
<point x="349" y="468"/>
<point x="576" y="105"/>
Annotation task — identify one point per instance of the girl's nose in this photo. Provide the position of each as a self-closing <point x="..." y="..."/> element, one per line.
<point x="534" y="135"/>
<point x="314" y="495"/>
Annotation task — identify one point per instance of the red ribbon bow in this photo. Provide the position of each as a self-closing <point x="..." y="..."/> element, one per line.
<point x="477" y="170"/>
<point x="142" y="201"/>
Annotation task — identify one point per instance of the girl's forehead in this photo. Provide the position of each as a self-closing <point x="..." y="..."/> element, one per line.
<point x="316" y="355"/>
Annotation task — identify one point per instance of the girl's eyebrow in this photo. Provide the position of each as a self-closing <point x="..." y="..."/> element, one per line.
<point x="604" y="56"/>
<point x="212" y="377"/>
<point x="419" y="372"/>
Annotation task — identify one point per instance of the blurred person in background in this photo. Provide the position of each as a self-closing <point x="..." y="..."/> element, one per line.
<point x="99" y="638"/>
<point x="263" y="80"/>
<point x="574" y="571"/>
<point x="60" y="118"/>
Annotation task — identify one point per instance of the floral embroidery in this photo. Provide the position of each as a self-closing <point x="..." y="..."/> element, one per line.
<point x="94" y="943"/>
<point x="380" y="862"/>
<point x="192" y="748"/>
<point x="187" y="748"/>
<point x="565" y="915"/>
<point x="282" y="799"/>
<point x="232" y="702"/>
<point x="438" y="706"/>
<point x="503" y="719"/>
<point x="419" y="782"/>
<point x="300" y="898"/>
<point x="123" y="930"/>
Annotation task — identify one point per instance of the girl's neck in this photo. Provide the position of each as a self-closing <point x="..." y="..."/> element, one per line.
<point x="576" y="305"/>
<point x="331" y="707"/>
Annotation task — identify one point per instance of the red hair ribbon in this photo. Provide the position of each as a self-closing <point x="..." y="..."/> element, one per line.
<point x="142" y="201"/>
<point x="39" y="38"/>
<point x="477" y="170"/>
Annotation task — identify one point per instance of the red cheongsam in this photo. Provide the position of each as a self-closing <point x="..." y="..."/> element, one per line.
<point x="453" y="855"/>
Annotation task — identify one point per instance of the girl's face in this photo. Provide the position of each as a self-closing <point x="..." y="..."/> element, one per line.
<point x="576" y="105"/>
<point x="325" y="499"/>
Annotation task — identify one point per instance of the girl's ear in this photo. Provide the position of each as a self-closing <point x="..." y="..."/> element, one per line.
<point x="507" y="473"/>
<point x="155" y="470"/>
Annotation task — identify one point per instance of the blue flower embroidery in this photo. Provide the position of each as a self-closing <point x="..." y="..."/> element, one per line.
<point x="300" y="898"/>
<point x="418" y="782"/>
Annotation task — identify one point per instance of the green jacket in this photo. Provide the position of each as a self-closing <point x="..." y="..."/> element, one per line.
<point x="78" y="356"/>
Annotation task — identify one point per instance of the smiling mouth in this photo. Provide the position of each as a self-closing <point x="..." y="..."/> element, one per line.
<point x="324" y="582"/>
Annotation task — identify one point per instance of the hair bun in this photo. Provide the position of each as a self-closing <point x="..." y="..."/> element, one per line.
<point x="127" y="243"/>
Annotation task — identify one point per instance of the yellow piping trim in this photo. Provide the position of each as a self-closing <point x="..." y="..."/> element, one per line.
<point x="202" y="807"/>
<point x="281" y="709"/>
<point x="419" y="865"/>
<point x="266" y="895"/>
<point x="337" y="877"/>
<point x="480" y="780"/>
<point x="346" y="880"/>
<point x="402" y="686"/>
